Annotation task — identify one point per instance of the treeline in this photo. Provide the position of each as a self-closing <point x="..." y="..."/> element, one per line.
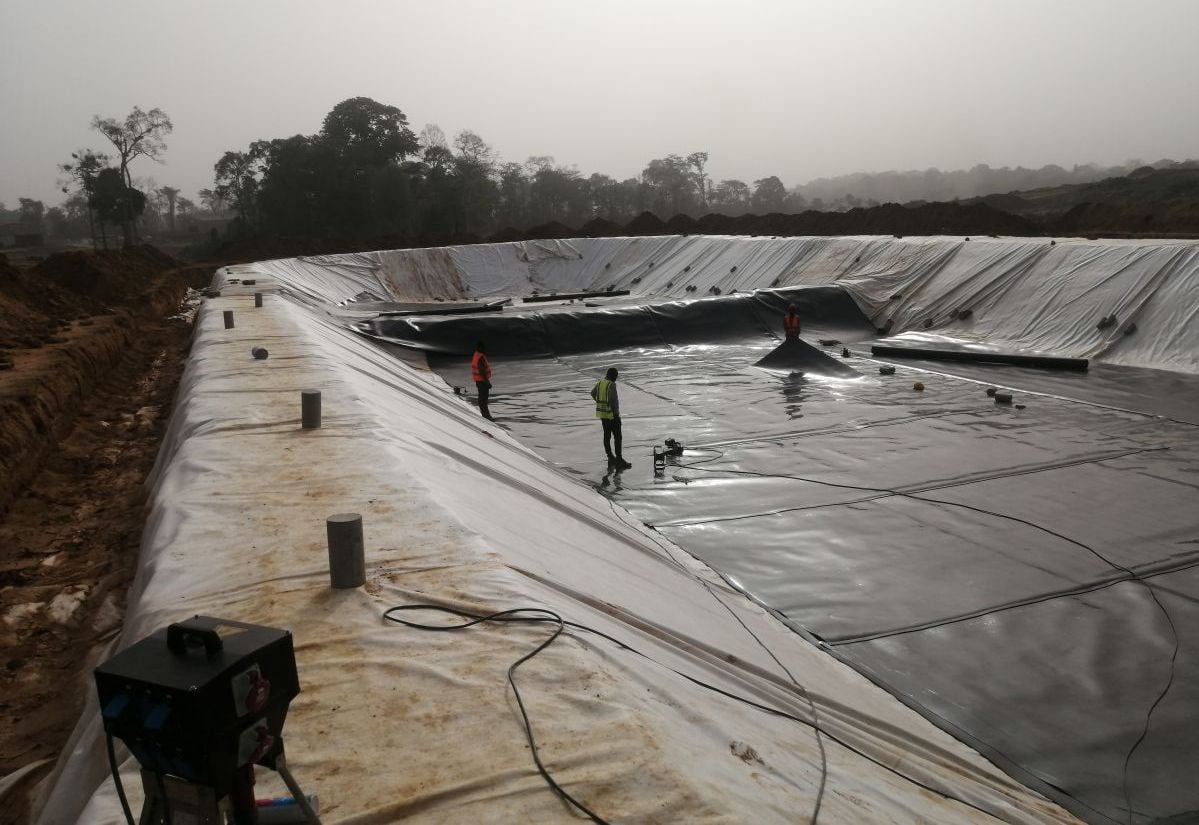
<point x="103" y="199"/>
<point x="367" y="174"/>
<point x="158" y="210"/>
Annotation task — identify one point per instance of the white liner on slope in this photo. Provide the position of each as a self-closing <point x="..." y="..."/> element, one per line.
<point x="1021" y="293"/>
<point x="394" y="723"/>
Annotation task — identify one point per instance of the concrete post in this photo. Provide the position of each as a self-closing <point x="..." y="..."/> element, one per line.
<point x="228" y="319"/>
<point x="347" y="555"/>
<point x="310" y="409"/>
<point x="257" y="299"/>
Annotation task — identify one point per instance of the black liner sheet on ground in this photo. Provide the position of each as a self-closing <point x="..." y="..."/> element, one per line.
<point x="1026" y="578"/>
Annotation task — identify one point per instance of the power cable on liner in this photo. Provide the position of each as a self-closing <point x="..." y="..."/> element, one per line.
<point x="540" y="615"/>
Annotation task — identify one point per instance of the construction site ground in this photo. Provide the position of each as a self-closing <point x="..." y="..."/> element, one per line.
<point x="92" y="345"/>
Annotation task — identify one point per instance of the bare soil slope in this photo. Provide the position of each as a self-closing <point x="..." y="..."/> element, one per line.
<point x="91" y="348"/>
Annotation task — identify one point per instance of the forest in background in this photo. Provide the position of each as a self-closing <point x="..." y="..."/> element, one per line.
<point x="366" y="175"/>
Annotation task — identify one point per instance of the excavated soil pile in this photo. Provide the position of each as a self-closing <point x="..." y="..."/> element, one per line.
<point x="553" y="229"/>
<point x="1123" y="220"/>
<point x="647" y="223"/>
<point x="598" y="228"/>
<point x="889" y="219"/>
<point x="681" y="225"/>
<point x="105" y="276"/>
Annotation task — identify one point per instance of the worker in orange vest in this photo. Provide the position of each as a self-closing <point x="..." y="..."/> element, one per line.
<point x="480" y="370"/>
<point x="791" y="321"/>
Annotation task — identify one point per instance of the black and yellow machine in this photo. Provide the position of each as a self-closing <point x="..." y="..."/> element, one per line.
<point x="199" y="704"/>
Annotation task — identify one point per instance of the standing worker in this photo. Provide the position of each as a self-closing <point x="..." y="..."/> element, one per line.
<point x="791" y="321"/>
<point x="607" y="410"/>
<point x="480" y="370"/>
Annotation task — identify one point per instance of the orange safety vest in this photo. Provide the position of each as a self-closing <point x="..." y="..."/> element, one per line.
<point x="791" y="324"/>
<point x="480" y="369"/>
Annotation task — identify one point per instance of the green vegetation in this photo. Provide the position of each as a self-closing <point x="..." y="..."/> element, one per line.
<point x="367" y="177"/>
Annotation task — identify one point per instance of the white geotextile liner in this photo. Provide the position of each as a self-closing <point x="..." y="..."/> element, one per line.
<point x="396" y="723"/>
<point x="1021" y="293"/>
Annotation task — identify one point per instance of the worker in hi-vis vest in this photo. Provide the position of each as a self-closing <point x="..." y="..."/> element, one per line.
<point x="607" y="410"/>
<point x="791" y="321"/>
<point x="480" y="370"/>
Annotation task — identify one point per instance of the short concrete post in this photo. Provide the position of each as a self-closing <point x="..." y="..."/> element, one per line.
<point x="347" y="555"/>
<point x="310" y="409"/>
<point x="228" y="319"/>
<point x="257" y="299"/>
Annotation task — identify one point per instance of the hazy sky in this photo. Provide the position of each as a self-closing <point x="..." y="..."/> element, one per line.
<point x="794" y="88"/>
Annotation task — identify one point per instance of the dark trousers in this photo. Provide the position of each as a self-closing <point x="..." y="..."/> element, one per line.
<point x="611" y="430"/>
<point x="484" y="388"/>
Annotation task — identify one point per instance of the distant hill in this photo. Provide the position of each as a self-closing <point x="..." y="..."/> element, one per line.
<point x="1146" y="201"/>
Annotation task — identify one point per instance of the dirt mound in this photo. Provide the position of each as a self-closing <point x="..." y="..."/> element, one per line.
<point x="647" y="223"/>
<point x="600" y="228"/>
<point x="108" y="274"/>
<point x="681" y="225"/>
<point x="38" y="305"/>
<point x="888" y="219"/>
<point x="8" y="272"/>
<point x="1127" y="220"/>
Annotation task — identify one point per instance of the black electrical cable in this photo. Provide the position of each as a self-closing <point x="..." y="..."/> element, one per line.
<point x="1132" y="577"/>
<point x="166" y="803"/>
<point x="548" y="616"/>
<point x="508" y="616"/>
<point x="116" y="779"/>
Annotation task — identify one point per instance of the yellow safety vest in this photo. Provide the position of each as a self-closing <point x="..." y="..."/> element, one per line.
<point x="602" y="408"/>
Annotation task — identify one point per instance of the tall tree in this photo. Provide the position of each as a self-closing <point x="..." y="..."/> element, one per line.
<point x="697" y="161"/>
<point x="769" y="194"/>
<point x="370" y="132"/>
<point x="170" y="193"/>
<point x="81" y="171"/>
<point x="236" y="181"/>
<point x="115" y="202"/>
<point x="140" y="134"/>
<point x="211" y="201"/>
<point x="32" y="212"/>
<point x="671" y="186"/>
<point x="513" y="208"/>
<point x="474" y="168"/>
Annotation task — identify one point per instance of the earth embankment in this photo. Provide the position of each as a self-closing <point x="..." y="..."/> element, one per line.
<point x="91" y="348"/>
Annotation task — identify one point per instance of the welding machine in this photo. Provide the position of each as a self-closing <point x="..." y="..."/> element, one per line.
<point x="199" y="704"/>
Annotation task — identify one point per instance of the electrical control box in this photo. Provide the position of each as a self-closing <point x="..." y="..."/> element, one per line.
<point x="201" y="699"/>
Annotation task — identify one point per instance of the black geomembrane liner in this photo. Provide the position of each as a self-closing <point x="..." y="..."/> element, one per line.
<point x="989" y="565"/>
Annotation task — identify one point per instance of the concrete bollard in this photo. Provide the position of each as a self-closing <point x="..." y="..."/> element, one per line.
<point x="257" y="299"/>
<point x="228" y="319"/>
<point x="347" y="554"/>
<point x="310" y="409"/>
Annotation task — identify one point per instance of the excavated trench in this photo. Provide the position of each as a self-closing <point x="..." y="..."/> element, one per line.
<point x="82" y="413"/>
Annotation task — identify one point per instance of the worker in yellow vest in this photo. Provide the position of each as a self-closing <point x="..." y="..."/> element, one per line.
<point x="480" y="371"/>
<point x="607" y="410"/>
